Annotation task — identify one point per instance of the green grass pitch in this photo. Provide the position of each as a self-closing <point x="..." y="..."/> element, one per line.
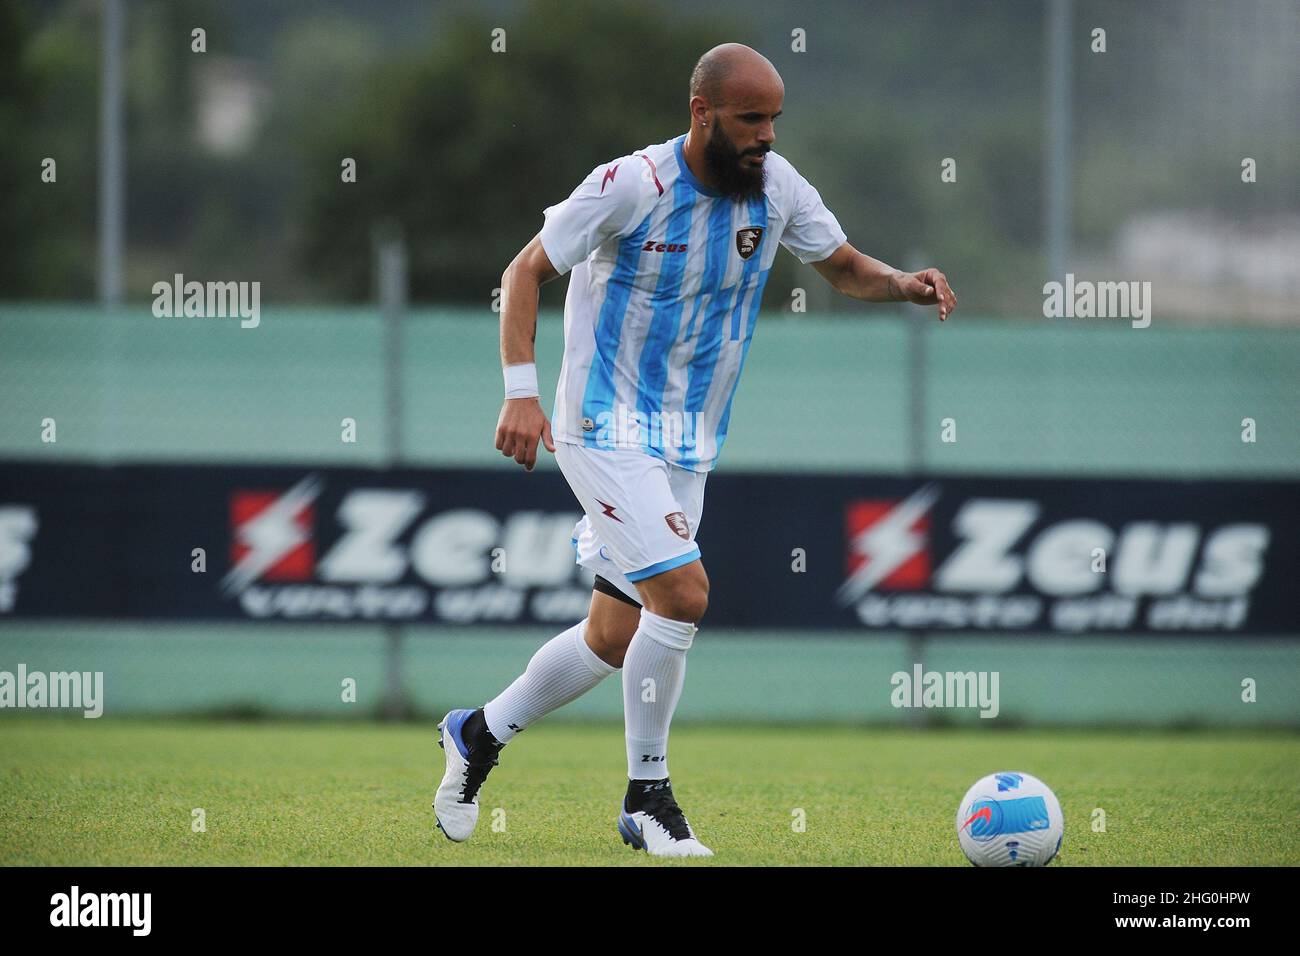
<point x="79" y="792"/>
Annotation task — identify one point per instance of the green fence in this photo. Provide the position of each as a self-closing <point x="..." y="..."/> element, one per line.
<point x="731" y="675"/>
<point x="864" y="394"/>
<point x="1089" y="398"/>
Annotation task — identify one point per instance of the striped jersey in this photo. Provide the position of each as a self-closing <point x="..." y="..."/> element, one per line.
<point x="664" y="295"/>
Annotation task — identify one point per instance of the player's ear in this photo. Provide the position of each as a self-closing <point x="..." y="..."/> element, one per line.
<point x="700" y="111"/>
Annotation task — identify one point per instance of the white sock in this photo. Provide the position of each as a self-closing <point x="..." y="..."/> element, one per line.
<point x="654" y="670"/>
<point x="563" y="669"/>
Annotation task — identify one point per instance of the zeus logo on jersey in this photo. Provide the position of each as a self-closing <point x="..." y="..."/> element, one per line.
<point x="653" y="246"/>
<point x="1000" y="568"/>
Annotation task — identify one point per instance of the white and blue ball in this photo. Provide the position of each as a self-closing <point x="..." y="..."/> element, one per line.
<point x="1010" y="819"/>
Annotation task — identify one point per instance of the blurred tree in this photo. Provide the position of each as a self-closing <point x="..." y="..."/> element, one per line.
<point x="47" y="89"/>
<point x="464" y="147"/>
<point x="17" y="163"/>
<point x="49" y="106"/>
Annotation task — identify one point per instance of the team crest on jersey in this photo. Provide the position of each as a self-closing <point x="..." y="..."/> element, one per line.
<point x="747" y="240"/>
<point x="677" y="521"/>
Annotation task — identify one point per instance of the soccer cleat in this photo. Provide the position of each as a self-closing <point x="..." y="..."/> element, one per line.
<point x="658" y="825"/>
<point x="456" y="802"/>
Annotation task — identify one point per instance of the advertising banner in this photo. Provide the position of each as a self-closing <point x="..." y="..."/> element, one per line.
<point x="465" y="546"/>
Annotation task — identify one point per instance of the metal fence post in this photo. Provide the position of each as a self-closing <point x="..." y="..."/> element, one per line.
<point x="917" y="330"/>
<point x="1060" y="122"/>
<point x="111" y="184"/>
<point x="391" y="275"/>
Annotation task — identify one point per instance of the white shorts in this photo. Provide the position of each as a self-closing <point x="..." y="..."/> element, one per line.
<point x="641" y="512"/>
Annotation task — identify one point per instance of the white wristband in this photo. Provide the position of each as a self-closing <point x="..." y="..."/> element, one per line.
<point x="521" y="380"/>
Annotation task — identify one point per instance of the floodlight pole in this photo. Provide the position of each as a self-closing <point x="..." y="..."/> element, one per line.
<point x="111" y="183"/>
<point x="918" y="332"/>
<point x="391" y="279"/>
<point x="1060" y="122"/>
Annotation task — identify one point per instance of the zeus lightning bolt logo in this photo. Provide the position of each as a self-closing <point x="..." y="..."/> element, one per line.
<point x="888" y="544"/>
<point x="270" y="531"/>
<point x="609" y="177"/>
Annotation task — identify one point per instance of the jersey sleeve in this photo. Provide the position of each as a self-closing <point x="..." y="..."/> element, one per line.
<point x="608" y="204"/>
<point x="812" y="232"/>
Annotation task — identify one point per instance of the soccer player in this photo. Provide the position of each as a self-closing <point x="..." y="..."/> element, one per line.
<point x="668" y="248"/>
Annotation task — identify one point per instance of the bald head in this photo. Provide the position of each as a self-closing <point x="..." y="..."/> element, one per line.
<point x="736" y="96"/>
<point x="732" y="70"/>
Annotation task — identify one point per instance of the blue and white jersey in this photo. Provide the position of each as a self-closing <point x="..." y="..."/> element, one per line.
<point x="667" y="279"/>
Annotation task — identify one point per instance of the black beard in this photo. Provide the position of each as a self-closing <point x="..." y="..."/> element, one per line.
<point x="736" y="180"/>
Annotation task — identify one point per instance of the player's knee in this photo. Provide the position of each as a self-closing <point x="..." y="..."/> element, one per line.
<point x="695" y="605"/>
<point x="680" y="595"/>
<point x="686" y="602"/>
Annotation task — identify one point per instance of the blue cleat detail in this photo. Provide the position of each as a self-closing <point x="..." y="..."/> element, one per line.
<point x="630" y="832"/>
<point x="451" y="725"/>
<point x="456" y="802"/>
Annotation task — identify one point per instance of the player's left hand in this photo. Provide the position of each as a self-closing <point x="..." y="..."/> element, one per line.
<point x="927" y="287"/>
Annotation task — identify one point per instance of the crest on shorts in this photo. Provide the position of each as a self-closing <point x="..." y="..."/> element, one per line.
<point x="677" y="521"/>
<point x="747" y="240"/>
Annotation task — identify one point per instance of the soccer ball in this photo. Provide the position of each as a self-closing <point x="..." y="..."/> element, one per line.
<point x="1010" y="819"/>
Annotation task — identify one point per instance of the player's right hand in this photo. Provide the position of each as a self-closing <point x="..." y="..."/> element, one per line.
<point x="521" y="423"/>
<point x="927" y="287"/>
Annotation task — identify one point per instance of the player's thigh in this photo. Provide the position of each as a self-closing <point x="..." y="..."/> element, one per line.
<point x="611" y="623"/>
<point x="688" y="489"/>
<point x="630" y="508"/>
<point x="682" y="592"/>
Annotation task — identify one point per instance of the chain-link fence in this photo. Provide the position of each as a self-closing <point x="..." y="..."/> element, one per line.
<point x="1013" y="144"/>
<point x="1075" y="401"/>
